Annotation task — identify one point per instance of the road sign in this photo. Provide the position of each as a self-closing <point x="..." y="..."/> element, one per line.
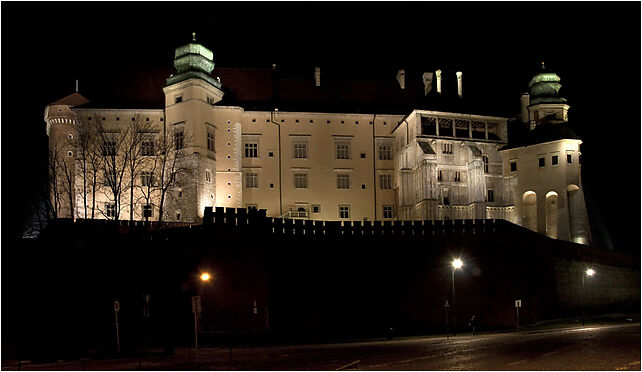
<point x="518" y="303"/>
<point x="196" y="304"/>
<point x="116" y="306"/>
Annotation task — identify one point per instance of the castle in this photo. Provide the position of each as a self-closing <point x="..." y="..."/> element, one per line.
<point x="423" y="164"/>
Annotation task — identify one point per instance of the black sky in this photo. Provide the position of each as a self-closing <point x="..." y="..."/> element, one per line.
<point x="593" y="47"/>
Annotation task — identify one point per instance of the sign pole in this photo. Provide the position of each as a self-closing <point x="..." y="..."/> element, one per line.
<point x="518" y="304"/>
<point x="116" y="310"/>
<point x="446" y="306"/>
<point x="196" y="309"/>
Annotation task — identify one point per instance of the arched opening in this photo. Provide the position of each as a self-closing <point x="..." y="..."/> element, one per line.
<point x="576" y="217"/>
<point x="551" y="214"/>
<point x="529" y="210"/>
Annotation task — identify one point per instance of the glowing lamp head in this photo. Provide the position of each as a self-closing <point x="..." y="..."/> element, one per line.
<point x="457" y="263"/>
<point x="590" y="272"/>
<point x="205" y="277"/>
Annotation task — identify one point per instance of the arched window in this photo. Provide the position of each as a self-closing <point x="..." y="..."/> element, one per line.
<point x="551" y="214"/>
<point x="529" y="212"/>
<point x="485" y="159"/>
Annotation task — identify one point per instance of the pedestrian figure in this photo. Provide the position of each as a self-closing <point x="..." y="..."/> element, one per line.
<point x="472" y="324"/>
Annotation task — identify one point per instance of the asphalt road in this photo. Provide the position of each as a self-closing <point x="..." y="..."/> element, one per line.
<point x="608" y="347"/>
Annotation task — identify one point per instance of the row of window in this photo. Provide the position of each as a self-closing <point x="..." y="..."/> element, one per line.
<point x="343" y="210"/>
<point x="542" y="161"/>
<point x="301" y="181"/>
<point x="118" y="118"/>
<point x="300" y="151"/>
<point x="327" y="121"/>
<point x="454" y="176"/>
<point x="110" y="210"/>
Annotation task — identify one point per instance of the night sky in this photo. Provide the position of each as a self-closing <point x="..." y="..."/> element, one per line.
<point x="593" y="47"/>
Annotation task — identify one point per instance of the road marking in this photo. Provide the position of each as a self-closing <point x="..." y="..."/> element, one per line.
<point x="401" y="361"/>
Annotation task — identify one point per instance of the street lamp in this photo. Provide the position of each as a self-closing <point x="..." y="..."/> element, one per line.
<point x="587" y="273"/>
<point x="456" y="264"/>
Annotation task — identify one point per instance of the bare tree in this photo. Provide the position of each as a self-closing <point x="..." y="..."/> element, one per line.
<point x="88" y="163"/>
<point x="173" y="164"/>
<point x="114" y="153"/>
<point x="137" y="133"/>
<point x="54" y="194"/>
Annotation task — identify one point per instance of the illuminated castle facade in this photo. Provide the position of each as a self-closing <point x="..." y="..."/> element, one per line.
<point x="423" y="164"/>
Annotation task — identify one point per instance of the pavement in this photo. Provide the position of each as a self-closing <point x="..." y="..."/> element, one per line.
<point x="594" y="347"/>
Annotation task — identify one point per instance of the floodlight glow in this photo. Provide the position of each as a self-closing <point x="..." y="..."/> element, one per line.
<point x="590" y="272"/>
<point x="205" y="277"/>
<point x="457" y="263"/>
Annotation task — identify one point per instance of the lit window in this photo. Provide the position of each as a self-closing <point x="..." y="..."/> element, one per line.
<point x="251" y="180"/>
<point x="385" y="152"/>
<point x="554" y="160"/>
<point x="147" y="179"/>
<point x="147" y="148"/>
<point x="387" y="211"/>
<point x="485" y="159"/>
<point x="447" y="148"/>
<point x="147" y="211"/>
<point x="179" y="139"/>
<point x="300" y="180"/>
<point x="542" y="162"/>
<point x="491" y="196"/>
<point x="300" y="150"/>
<point x="343" y="181"/>
<point x="210" y="140"/>
<point x="208" y="176"/>
<point x="344" y="211"/>
<point x="385" y="181"/>
<point x="513" y="166"/>
<point x="110" y="210"/>
<point x="252" y="150"/>
<point x="343" y="150"/>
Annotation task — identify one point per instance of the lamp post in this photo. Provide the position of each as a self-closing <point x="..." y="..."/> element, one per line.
<point x="456" y="264"/>
<point x="585" y="274"/>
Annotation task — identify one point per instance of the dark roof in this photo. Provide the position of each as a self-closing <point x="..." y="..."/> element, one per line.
<point x="476" y="151"/>
<point x="520" y="136"/>
<point x="74" y="99"/>
<point x="426" y="148"/>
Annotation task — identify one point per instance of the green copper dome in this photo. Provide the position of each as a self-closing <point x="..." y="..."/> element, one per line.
<point x="193" y="60"/>
<point x="544" y="87"/>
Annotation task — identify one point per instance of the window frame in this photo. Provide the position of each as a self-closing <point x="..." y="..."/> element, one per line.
<point x="344" y="211"/>
<point x="343" y="181"/>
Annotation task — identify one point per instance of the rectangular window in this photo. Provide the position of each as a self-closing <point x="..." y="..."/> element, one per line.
<point x="569" y="158"/>
<point x="316" y="208"/>
<point x="147" y="148"/>
<point x="457" y="176"/>
<point x="447" y="148"/>
<point x="147" y="211"/>
<point x="147" y="179"/>
<point x="542" y="162"/>
<point x="513" y="166"/>
<point x="210" y="101"/>
<point x="110" y="210"/>
<point x="485" y="160"/>
<point x="554" y="160"/>
<point x="210" y="141"/>
<point x="252" y="207"/>
<point x="344" y="211"/>
<point x="252" y="150"/>
<point x="178" y="98"/>
<point x="109" y="148"/>
<point x="300" y="180"/>
<point x="387" y="211"/>
<point x="385" y="152"/>
<point x="491" y="196"/>
<point x="343" y="181"/>
<point x="439" y="176"/>
<point x="385" y="181"/>
<point x="208" y="176"/>
<point x="343" y="150"/>
<point x="300" y="150"/>
<point x="251" y="180"/>
<point x="178" y="139"/>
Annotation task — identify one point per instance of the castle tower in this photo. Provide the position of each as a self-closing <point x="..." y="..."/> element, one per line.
<point x="543" y="169"/>
<point x="189" y="116"/>
<point x="61" y="123"/>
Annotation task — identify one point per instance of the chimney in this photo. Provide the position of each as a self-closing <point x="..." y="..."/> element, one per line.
<point x="438" y="73"/>
<point x="427" y="76"/>
<point x="401" y="78"/>
<point x="459" y="84"/>
<point x="317" y="76"/>
<point x="526" y="100"/>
